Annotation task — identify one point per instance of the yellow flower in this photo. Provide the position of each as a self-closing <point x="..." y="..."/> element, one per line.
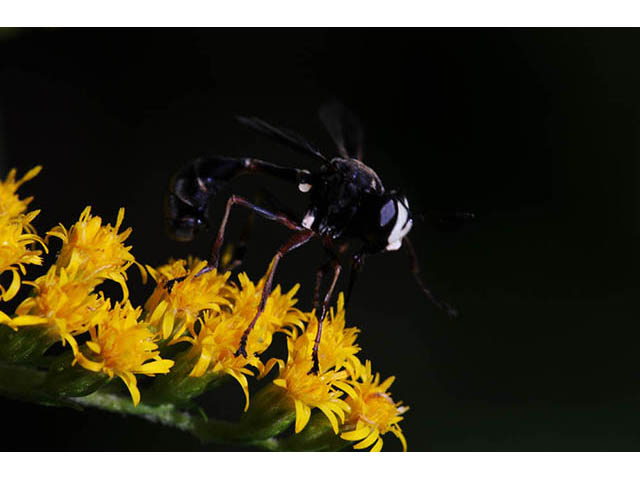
<point x="337" y="346"/>
<point x="173" y="312"/>
<point x="93" y="252"/>
<point x="17" y="235"/>
<point x="65" y="307"/>
<point x="11" y="206"/>
<point x="216" y="345"/>
<point x="307" y="390"/>
<point x="219" y="336"/>
<point x="278" y="315"/>
<point x="122" y="346"/>
<point x="373" y="412"/>
<point x="15" y="251"/>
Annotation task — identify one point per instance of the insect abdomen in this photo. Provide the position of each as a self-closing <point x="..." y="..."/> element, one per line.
<point x="191" y="190"/>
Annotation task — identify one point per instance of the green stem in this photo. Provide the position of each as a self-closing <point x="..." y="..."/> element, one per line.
<point x="22" y="383"/>
<point x="164" y="414"/>
<point x="26" y="383"/>
<point x="207" y="430"/>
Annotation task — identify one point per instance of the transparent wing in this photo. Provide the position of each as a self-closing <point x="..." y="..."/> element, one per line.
<point x="345" y="129"/>
<point x="284" y="136"/>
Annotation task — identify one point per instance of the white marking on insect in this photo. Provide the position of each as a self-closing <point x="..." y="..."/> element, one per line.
<point x="402" y="226"/>
<point x="304" y="187"/>
<point x="394" y="246"/>
<point x="308" y="219"/>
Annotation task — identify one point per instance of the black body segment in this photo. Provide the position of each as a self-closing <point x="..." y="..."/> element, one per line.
<point x="190" y="192"/>
<point x="338" y="194"/>
<point x="193" y="187"/>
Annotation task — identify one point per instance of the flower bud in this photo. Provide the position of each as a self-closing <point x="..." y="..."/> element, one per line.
<point x="68" y="379"/>
<point x="25" y="345"/>
<point x="317" y="436"/>
<point x="271" y="412"/>
<point x="178" y="386"/>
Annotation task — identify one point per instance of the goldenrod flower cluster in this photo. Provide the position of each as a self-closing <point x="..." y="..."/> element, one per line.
<point x="17" y="235"/>
<point x="188" y="331"/>
<point x="357" y="406"/>
<point x="65" y="304"/>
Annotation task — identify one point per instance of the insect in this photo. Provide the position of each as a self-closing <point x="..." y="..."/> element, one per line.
<point x="347" y="204"/>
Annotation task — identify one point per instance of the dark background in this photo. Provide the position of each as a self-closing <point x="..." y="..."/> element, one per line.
<point x="534" y="130"/>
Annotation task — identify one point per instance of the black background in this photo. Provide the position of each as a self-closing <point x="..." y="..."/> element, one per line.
<point x="535" y="130"/>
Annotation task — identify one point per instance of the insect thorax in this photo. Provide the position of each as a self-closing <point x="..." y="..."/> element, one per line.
<point x="337" y="195"/>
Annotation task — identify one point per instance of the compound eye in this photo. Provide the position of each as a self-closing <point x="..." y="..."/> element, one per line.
<point x="387" y="212"/>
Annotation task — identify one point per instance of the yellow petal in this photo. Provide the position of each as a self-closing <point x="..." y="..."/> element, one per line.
<point x="398" y="433"/>
<point x="158" y="312"/>
<point x="14" y="287"/>
<point x="167" y="324"/>
<point x="373" y="436"/>
<point x="129" y="380"/>
<point x="338" y="410"/>
<point x="242" y="380"/>
<point x="24" y="320"/>
<point x="303" y="413"/>
<point x="218" y="367"/>
<point x="156" y="366"/>
<point x="93" y="346"/>
<point x="357" y="434"/>
<point x="153" y="272"/>
<point x="72" y="342"/>
<point x="143" y="272"/>
<point x="332" y="418"/>
<point x="119" y="219"/>
<point x="280" y="382"/>
<point x="202" y="364"/>
<point x="384" y="386"/>
<point x="29" y="175"/>
<point x="117" y="277"/>
<point x="378" y="446"/>
<point x="89" y="364"/>
<point x="4" y="318"/>
<point x="269" y="365"/>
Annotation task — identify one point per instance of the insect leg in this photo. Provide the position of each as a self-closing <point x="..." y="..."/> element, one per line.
<point x="415" y="269"/>
<point x="316" y="291"/>
<point x="322" y="271"/>
<point x="334" y="264"/>
<point x="298" y="238"/>
<point x="234" y="253"/>
<point x="357" y="262"/>
<point x="235" y="199"/>
<point x="215" y="250"/>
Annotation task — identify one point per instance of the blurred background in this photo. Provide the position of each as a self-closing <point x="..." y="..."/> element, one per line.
<point x="534" y="130"/>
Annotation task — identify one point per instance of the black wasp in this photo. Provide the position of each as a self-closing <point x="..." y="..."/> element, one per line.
<point x="347" y="202"/>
